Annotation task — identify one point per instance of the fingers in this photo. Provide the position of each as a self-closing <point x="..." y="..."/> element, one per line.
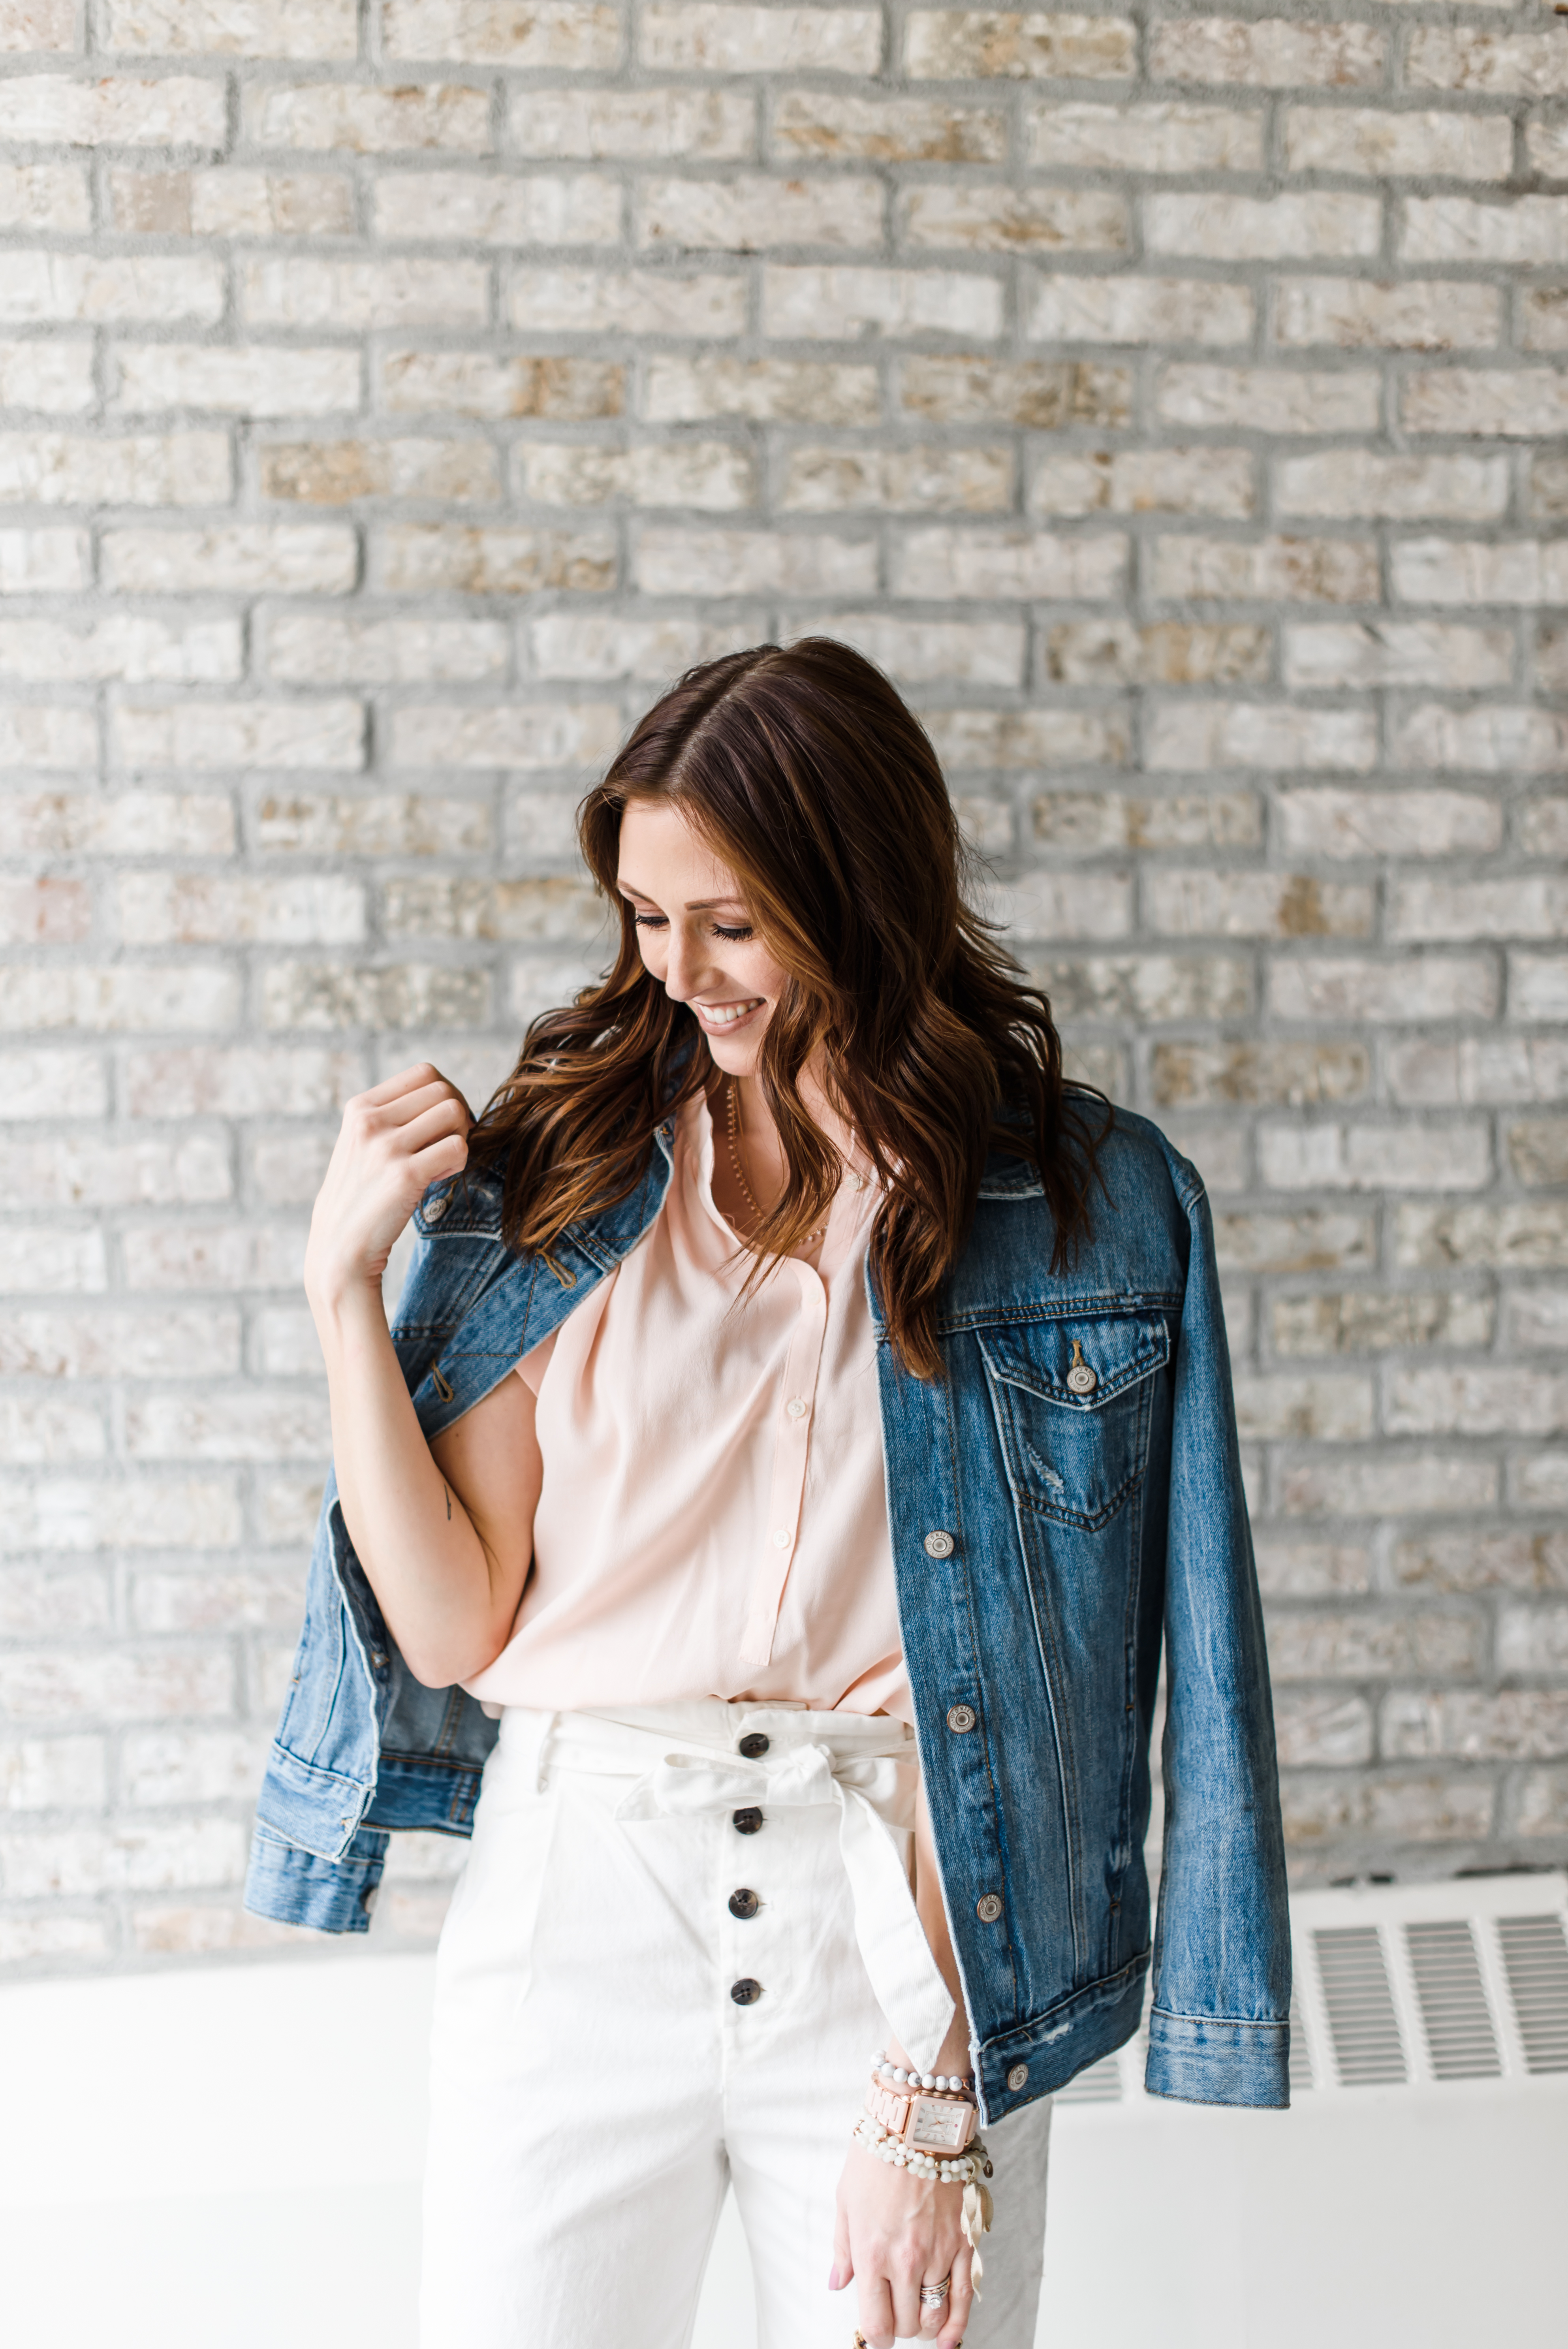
<point x="843" y="2267"/>
<point x="906" y="2309"/>
<point x="410" y="1092"/>
<point x="876" y="2313"/>
<point x="960" y="2304"/>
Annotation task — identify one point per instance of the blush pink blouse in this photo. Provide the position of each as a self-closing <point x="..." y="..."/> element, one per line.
<point x="712" y="1520"/>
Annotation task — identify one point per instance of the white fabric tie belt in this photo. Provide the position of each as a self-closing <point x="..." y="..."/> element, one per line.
<point x="866" y="1764"/>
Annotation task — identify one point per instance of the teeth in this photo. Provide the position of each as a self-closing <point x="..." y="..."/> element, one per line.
<point x="722" y="1014"/>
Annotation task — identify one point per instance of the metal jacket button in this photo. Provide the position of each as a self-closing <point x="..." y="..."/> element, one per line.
<point x="755" y="1746"/>
<point x="745" y="1822"/>
<point x="746" y="1992"/>
<point x="1081" y="1379"/>
<point x="939" y="1544"/>
<point x="1019" y="2077"/>
<point x="960" y="1717"/>
<point x="988" y="1908"/>
<point x="744" y="1903"/>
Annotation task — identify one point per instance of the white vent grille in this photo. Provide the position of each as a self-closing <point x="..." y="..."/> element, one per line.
<point x="1359" y="2002"/>
<point x="1461" y="2041"/>
<point x="1100" y="2085"/>
<point x="1535" y="1958"/>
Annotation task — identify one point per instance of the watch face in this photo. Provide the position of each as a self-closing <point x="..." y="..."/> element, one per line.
<point x="939" y="2125"/>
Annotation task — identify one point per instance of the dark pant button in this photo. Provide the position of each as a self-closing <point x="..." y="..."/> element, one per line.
<point x="746" y="1992"/>
<point x="745" y="1822"/>
<point x="744" y="1903"/>
<point x="755" y="1746"/>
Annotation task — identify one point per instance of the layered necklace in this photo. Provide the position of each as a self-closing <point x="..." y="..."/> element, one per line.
<point x="818" y="1230"/>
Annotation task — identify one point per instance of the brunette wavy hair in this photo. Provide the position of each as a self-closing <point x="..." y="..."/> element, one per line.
<point x="802" y="770"/>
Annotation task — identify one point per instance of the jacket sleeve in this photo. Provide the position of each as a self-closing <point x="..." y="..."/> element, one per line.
<point x="1219" y="2029"/>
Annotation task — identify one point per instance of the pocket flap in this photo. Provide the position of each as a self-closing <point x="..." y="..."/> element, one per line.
<point x="1041" y="1356"/>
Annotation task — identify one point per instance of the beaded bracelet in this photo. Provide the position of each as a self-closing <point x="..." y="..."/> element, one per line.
<point x="964" y="2169"/>
<point x="944" y="2083"/>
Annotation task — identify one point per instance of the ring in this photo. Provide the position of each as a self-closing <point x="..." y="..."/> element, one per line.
<point x="931" y="2295"/>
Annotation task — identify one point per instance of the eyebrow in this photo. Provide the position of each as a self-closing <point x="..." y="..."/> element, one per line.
<point x="693" y="905"/>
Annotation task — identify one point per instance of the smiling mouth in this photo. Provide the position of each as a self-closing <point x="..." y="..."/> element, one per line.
<point x="726" y="1015"/>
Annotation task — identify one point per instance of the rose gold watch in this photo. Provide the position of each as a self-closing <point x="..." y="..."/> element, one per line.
<point x="939" y="2125"/>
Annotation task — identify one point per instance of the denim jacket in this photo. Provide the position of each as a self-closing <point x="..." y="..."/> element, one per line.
<point x="1064" y="1501"/>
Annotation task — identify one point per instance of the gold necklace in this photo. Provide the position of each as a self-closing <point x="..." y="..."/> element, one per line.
<point x="746" y="1192"/>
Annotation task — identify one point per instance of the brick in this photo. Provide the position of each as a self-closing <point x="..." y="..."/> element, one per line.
<point x="1355" y="314"/>
<point x="366" y="118"/>
<point x="1422" y="652"/>
<point x="102" y="289"/>
<point x="1144" y="481"/>
<point x="704" y="307"/>
<point x="1527" y="231"/>
<point x="417" y="557"/>
<point x="686" y="125"/>
<point x="1489" y="738"/>
<point x="203" y="909"/>
<point x="1400" y="1484"/>
<point x="1472" y="571"/>
<point x="1268" y="399"/>
<point x="303" y="292"/>
<point x="1540" y="1481"/>
<point x="921" y="652"/>
<point x="1326" y="820"/>
<point x="693" y="37"/>
<point x="1468" y="1724"/>
<point x="171" y="1765"/>
<point x="88" y="1171"/>
<point x="1374" y="1157"/>
<point x="1113" y="652"/>
<point x="558" y="35"/>
<point x="34" y="735"/>
<point x="1538" y="986"/>
<point x="1387" y="146"/>
<point x="542" y="825"/>
<point x="322" y="648"/>
<point x="1313" y="1569"/>
<point x="1012" y="738"/>
<point x="1530" y="907"/>
<point x="751" y="563"/>
<point x="214" y="734"/>
<point x="380" y="824"/>
<point x="1367" y="483"/>
<point x="536" y="910"/>
<point x="1543" y="318"/>
<point x="512" y="735"/>
<point x="50" y="1431"/>
<point x="193" y="1256"/>
<point x="105" y="1345"/>
<point x="1393" y="1809"/>
<point x="123" y="645"/>
<point x="45" y="561"/>
<point x="1510" y="1560"/>
<point x="941" y="215"/>
<point x="1352" y="1321"/>
<point x="1227" y="227"/>
<point x="286" y="1346"/>
<point x="408" y="995"/>
<point x="1298" y="1074"/>
<point x="1524" y="1235"/>
<point x="334" y="472"/>
<point x="39" y="25"/>
<point x="1538" y="1152"/>
<point x="112" y="110"/>
<point x="582" y="208"/>
<point x="1270" y="52"/>
<point x="824" y="125"/>
<point x="1551" y="658"/>
<point x="1501" y="65"/>
<point x="1049" y="905"/>
<point x="26" y="1939"/>
<point x="236" y="379"/>
<point x="47" y="1082"/>
<point x="289" y="1506"/>
<point x="1047" y="395"/>
<point x="1543" y="827"/>
<point x="1310" y="1239"/>
<point x="243" y="28"/>
<point x="541" y="986"/>
<point x="1267" y="570"/>
<point x="1476" y="1400"/>
<point x="53" y="376"/>
<point x="141" y="469"/>
<point x="1479" y="1069"/>
<point x="1314" y="1727"/>
<point x="44" y="913"/>
<point x="1171" y="134"/>
<point x="69" y="1862"/>
<point x="203" y="1930"/>
<point x="49" y="1774"/>
<point x="1323" y="1407"/>
<point x="1146" y="986"/>
<point x="1197" y="735"/>
<point x="1138" y="310"/>
<point x="823" y="479"/>
<point x="228" y="201"/>
<point x="1546" y="145"/>
<point x="473" y="383"/>
<point x="948" y="561"/>
<point x="1205" y="904"/>
<point x="1529" y="403"/>
<point x="857" y="305"/>
<point x="1420" y="986"/>
<point x="245" y="558"/>
<point x="1373" y="1643"/>
<point x="136" y="824"/>
<point x="255" y="1423"/>
<point x="121" y="1683"/>
<point x="240" y="1080"/>
<point x="583" y="645"/>
<point x="960" y="44"/>
<point x="749" y="212"/>
<point x="1542" y="1807"/>
<point x="805" y="391"/>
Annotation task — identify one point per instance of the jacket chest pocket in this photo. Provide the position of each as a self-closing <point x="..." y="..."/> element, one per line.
<point x="1072" y="1402"/>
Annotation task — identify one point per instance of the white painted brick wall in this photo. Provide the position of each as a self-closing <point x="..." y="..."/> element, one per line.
<point x="393" y="394"/>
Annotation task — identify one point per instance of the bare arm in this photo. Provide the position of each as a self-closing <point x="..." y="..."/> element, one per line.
<point x="445" y="1532"/>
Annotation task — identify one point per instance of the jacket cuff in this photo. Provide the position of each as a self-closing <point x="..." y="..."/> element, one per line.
<point x="296" y="1887"/>
<point x="1213" y="2060"/>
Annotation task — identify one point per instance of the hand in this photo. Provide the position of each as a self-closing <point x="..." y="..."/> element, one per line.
<point x="395" y="1140"/>
<point x="893" y="2233"/>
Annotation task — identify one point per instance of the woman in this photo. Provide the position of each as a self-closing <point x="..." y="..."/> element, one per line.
<point x="805" y="1421"/>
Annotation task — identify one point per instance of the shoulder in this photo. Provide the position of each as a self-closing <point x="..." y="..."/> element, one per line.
<point x="1137" y="1154"/>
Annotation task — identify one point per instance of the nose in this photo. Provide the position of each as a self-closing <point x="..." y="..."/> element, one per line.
<point x="685" y="965"/>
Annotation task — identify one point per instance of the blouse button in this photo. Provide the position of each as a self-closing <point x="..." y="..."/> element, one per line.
<point x="781" y="1537"/>
<point x="988" y="1908"/>
<point x="960" y="1717"/>
<point x="939" y="1544"/>
<point x="796" y="1407"/>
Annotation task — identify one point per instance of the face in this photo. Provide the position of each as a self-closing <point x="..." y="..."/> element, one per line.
<point x="695" y="933"/>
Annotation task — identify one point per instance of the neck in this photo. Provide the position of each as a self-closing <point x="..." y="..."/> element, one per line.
<point x="758" y="1121"/>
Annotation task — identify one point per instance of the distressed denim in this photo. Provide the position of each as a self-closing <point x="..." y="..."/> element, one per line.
<point x="1051" y="1535"/>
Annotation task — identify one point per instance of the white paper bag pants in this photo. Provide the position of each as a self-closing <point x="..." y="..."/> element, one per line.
<point x="595" y="2086"/>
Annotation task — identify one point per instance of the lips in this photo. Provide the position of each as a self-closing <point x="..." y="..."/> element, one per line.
<point x="722" y="1016"/>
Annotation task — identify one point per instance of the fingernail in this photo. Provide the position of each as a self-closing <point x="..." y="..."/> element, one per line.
<point x="834" y="2284"/>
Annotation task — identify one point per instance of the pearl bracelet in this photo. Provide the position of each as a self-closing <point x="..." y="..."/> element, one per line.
<point x="964" y="2171"/>
<point x="944" y="2083"/>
